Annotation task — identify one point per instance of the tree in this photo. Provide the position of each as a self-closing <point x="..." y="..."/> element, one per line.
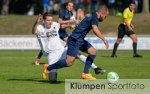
<point x="145" y="6"/>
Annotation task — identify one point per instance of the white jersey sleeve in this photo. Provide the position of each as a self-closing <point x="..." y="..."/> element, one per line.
<point x="42" y="39"/>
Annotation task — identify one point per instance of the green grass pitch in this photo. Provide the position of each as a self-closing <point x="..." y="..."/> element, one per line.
<point x="19" y="75"/>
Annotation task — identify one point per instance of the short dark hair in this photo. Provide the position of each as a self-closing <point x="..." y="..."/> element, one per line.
<point x="47" y="14"/>
<point x="102" y="8"/>
<point x="132" y="2"/>
<point x="66" y="4"/>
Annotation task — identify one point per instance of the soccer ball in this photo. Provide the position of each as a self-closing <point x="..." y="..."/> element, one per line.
<point x="112" y="77"/>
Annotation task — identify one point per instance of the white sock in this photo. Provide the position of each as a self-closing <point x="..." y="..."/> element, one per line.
<point x="83" y="58"/>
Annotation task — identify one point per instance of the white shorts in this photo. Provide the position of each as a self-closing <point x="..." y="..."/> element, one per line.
<point x="56" y="55"/>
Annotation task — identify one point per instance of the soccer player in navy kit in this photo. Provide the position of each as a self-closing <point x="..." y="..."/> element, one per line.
<point x="65" y="19"/>
<point x="77" y="42"/>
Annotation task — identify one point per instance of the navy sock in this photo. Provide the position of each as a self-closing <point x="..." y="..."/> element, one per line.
<point x="57" y="65"/>
<point x="88" y="63"/>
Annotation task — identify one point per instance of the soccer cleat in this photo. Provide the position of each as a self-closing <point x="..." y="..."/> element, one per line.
<point x="37" y="61"/>
<point x="44" y="75"/>
<point x="113" y="55"/>
<point x="99" y="71"/>
<point x="87" y="76"/>
<point x="45" y="71"/>
<point x="137" y="55"/>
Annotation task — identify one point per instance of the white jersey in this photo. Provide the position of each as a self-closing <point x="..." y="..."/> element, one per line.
<point x="49" y="38"/>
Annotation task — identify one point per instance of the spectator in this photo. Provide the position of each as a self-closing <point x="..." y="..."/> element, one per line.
<point x="62" y="2"/>
<point x="47" y="6"/>
<point x="94" y="5"/>
<point x="5" y="7"/>
<point x="81" y="4"/>
<point x="86" y="4"/>
<point x="136" y="8"/>
<point x="76" y="4"/>
<point x="56" y="6"/>
<point x="111" y="6"/>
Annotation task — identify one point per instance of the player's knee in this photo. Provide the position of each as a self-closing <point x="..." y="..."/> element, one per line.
<point x="92" y="51"/>
<point x="118" y="41"/>
<point x="69" y="64"/>
<point x="133" y="37"/>
<point x="70" y="60"/>
<point x="135" y="40"/>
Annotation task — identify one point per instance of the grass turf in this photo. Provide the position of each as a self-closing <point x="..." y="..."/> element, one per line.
<point x="19" y="75"/>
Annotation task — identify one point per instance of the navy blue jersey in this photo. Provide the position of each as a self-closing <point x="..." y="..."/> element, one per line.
<point x="85" y="26"/>
<point x="65" y="15"/>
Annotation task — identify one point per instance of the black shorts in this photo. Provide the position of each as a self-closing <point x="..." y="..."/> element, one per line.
<point x="124" y="30"/>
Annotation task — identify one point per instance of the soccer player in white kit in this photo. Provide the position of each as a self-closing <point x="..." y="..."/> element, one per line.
<point x="48" y="37"/>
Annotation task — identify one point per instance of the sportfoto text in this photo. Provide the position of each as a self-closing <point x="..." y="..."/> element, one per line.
<point x="108" y="86"/>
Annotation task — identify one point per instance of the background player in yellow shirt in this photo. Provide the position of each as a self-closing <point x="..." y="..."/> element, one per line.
<point x="127" y="28"/>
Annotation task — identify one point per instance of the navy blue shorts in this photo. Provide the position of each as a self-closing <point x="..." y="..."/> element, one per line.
<point x="63" y="34"/>
<point x="75" y="45"/>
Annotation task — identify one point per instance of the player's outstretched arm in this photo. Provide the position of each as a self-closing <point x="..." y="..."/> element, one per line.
<point x="99" y="34"/>
<point x="67" y="26"/>
<point x="38" y="20"/>
<point x="60" y="21"/>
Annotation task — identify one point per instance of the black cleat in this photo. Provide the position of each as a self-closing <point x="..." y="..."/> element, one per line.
<point x="137" y="55"/>
<point x="99" y="71"/>
<point x="114" y="55"/>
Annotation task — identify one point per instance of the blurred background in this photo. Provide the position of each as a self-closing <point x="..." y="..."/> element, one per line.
<point x="32" y="7"/>
<point x="19" y="15"/>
